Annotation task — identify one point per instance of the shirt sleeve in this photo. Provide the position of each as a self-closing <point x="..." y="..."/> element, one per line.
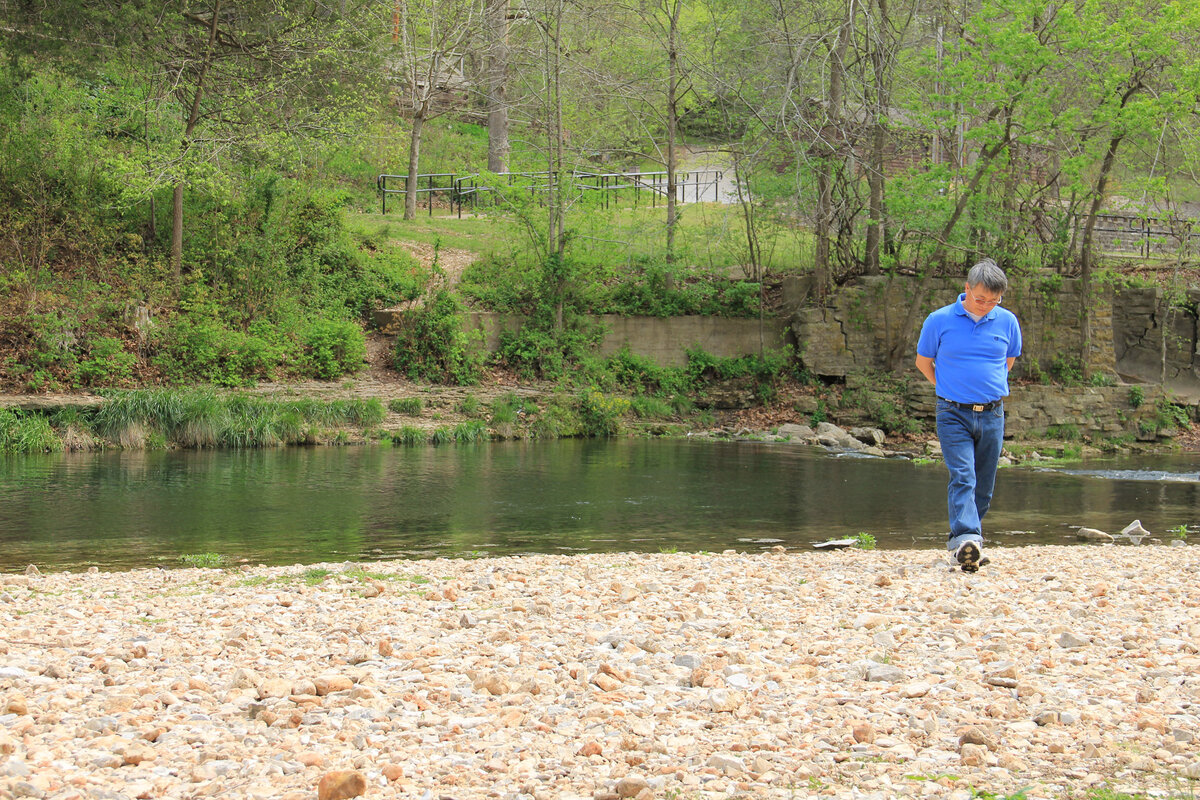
<point x="1014" y="341"/>
<point x="927" y="345"/>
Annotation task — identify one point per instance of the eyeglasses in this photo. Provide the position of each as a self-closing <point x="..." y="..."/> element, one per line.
<point x="984" y="301"/>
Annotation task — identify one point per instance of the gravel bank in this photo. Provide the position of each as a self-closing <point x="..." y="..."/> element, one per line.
<point x="818" y="674"/>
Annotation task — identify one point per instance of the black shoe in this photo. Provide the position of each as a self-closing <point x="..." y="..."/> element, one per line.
<point x="969" y="556"/>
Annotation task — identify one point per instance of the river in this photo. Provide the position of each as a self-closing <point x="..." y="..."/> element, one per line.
<point x="125" y="510"/>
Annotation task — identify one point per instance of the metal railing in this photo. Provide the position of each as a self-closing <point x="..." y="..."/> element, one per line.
<point x="1146" y="235"/>
<point x="381" y="183"/>
<point x="690" y="187"/>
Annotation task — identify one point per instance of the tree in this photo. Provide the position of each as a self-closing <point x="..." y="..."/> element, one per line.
<point x="496" y="72"/>
<point x="432" y="37"/>
<point x="886" y="28"/>
<point x="243" y="75"/>
<point x="663" y="87"/>
<point x="245" y="72"/>
<point x="1138" y="72"/>
<point x="994" y="80"/>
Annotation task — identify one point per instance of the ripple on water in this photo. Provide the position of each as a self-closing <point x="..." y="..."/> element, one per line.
<point x="1133" y="474"/>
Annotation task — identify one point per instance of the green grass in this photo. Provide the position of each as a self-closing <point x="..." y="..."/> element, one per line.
<point x="315" y="576"/>
<point x="202" y="418"/>
<point x="409" y="406"/>
<point x="710" y="237"/>
<point x="470" y="432"/>
<point x="469" y="405"/>
<point x="645" y="407"/>
<point x="22" y="432"/>
<point x="204" y="560"/>
<point x="864" y="541"/>
<point x="408" y="435"/>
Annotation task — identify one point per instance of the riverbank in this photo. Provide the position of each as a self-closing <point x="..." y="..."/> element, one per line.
<point x="850" y="673"/>
<point x="393" y="410"/>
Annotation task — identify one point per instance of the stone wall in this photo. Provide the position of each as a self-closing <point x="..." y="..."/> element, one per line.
<point x="1136" y="335"/>
<point x="1112" y="412"/>
<point x="663" y="340"/>
<point x="1158" y="342"/>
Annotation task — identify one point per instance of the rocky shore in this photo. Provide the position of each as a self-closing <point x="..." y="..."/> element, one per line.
<point x="846" y="674"/>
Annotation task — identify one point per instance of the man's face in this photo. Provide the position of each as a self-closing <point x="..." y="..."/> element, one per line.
<point x="979" y="300"/>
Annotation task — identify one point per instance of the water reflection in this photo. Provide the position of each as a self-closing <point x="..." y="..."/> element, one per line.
<point x="119" y="510"/>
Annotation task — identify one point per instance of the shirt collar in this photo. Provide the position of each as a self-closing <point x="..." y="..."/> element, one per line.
<point x="960" y="309"/>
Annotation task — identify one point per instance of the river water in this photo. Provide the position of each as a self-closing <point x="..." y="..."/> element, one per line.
<point x="306" y="505"/>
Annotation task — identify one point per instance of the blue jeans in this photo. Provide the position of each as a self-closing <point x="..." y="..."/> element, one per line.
<point x="971" y="443"/>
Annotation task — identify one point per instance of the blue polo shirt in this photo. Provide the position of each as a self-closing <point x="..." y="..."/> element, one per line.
<point x="970" y="357"/>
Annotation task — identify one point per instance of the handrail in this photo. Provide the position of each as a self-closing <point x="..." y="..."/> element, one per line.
<point x="691" y="186"/>
<point x="384" y="191"/>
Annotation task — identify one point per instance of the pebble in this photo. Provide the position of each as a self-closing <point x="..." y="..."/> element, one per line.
<point x="341" y="785"/>
<point x="607" y="675"/>
<point x="1095" y="535"/>
<point x="1072" y="641"/>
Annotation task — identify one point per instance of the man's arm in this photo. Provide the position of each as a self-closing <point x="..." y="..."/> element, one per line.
<point x="926" y="366"/>
<point x="1010" y="362"/>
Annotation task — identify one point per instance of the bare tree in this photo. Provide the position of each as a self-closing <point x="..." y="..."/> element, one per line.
<point x="432" y="37"/>
<point x="496" y="74"/>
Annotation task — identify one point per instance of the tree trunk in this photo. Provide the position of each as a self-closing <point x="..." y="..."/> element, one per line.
<point x="497" y="78"/>
<point x="177" y="231"/>
<point x="878" y="144"/>
<point x="1085" y="256"/>
<point x="747" y="204"/>
<point x="189" y="127"/>
<point x="825" y="163"/>
<point x="672" y="125"/>
<point x="414" y="161"/>
<point x="875" y="201"/>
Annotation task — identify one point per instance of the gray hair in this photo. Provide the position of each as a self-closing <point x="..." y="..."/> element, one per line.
<point x="989" y="274"/>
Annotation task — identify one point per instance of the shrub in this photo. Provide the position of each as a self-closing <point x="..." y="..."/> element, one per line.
<point x="600" y="415"/>
<point x="204" y="349"/>
<point x="108" y="363"/>
<point x="1169" y="416"/>
<point x="333" y="348"/>
<point x="538" y="350"/>
<point x="639" y="374"/>
<point x="864" y="541"/>
<point x="651" y="407"/>
<point x="432" y="344"/>
<point x="885" y="408"/>
<point x="1067" y="370"/>
<point x="657" y="292"/>
<point x="1137" y="396"/>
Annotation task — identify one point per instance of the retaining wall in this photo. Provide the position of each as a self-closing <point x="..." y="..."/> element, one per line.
<point x="1136" y="334"/>
<point x="664" y="340"/>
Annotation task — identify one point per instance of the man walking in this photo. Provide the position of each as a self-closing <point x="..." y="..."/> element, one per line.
<point x="966" y="350"/>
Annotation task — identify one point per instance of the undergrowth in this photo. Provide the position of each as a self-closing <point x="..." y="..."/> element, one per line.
<point x="199" y="418"/>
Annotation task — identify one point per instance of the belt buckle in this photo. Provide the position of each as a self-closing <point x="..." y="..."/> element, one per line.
<point x="978" y="407"/>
